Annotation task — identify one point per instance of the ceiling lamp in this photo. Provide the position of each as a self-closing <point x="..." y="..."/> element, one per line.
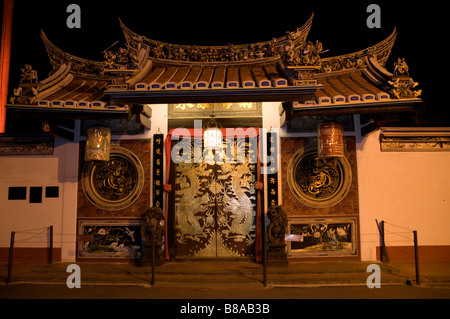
<point x="212" y="136"/>
<point x="330" y="140"/>
<point x="97" y="144"/>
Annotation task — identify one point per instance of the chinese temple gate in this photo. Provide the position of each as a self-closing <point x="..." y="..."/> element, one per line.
<point x="153" y="99"/>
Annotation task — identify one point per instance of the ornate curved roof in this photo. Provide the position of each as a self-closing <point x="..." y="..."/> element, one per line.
<point x="288" y="68"/>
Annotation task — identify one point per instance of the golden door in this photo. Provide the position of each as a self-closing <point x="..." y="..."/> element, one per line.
<point x="215" y="208"/>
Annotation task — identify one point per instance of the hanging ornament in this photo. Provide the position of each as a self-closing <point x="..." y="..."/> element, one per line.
<point x="98" y="144"/>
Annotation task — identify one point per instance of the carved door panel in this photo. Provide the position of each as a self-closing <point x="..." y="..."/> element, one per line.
<point x="215" y="209"/>
<point x="194" y="210"/>
<point x="236" y="209"/>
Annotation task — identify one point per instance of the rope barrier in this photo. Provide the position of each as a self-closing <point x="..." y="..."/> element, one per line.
<point x="38" y="236"/>
<point x="44" y="236"/>
<point x="31" y="230"/>
<point x="389" y="223"/>
<point x="398" y="234"/>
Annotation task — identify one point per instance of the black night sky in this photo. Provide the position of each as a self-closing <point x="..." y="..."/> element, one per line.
<point x="339" y="25"/>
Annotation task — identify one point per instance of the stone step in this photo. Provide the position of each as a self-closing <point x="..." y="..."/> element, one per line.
<point x="244" y="274"/>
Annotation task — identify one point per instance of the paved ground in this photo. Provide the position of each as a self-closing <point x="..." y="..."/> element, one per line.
<point x="226" y="280"/>
<point x="54" y="291"/>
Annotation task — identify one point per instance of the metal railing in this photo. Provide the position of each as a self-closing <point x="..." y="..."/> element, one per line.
<point x="34" y="235"/>
<point x="384" y="255"/>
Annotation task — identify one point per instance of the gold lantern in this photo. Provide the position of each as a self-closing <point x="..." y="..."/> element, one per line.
<point x="330" y="140"/>
<point x="98" y="144"/>
<point x="212" y="136"/>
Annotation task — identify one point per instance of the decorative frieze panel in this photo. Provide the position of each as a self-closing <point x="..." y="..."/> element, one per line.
<point x="19" y="144"/>
<point x="423" y="139"/>
<point x="199" y="110"/>
<point x="109" y="239"/>
<point x="322" y="237"/>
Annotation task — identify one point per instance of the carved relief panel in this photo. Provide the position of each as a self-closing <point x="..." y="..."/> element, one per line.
<point x="317" y="186"/>
<point x="318" y="182"/>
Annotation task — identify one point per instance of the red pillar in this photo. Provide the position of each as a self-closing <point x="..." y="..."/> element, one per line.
<point x="5" y="57"/>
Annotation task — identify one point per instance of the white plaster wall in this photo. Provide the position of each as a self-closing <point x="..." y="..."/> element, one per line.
<point x="60" y="169"/>
<point x="406" y="189"/>
<point x="68" y="154"/>
<point x="159" y="119"/>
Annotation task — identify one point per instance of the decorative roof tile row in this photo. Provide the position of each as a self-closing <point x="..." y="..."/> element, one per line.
<point x="77" y="93"/>
<point x="207" y="77"/>
<point x="348" y="88"/>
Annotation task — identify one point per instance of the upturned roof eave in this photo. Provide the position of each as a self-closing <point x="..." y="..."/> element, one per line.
<point x="302" y="34"/>
<point x="383" y="47"/>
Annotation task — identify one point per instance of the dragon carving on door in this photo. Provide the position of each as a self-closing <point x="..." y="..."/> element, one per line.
<point x="215" y="209"/>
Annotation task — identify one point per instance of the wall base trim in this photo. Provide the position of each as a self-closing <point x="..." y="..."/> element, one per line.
<point x="33" y="255"/>
<point x="436" y="253"/>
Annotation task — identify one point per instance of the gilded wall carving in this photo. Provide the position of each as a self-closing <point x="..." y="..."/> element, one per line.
<point x="115" y="184"/>
<point x="120" y="188"/>
<point x="318" y="182"/>
<point x="325" y="187"/>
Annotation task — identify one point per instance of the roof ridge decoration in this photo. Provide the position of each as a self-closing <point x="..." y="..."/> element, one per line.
<point x="242" y="53"/>
<point x="298" y="35"/>
<point x="78" y="65"/>
<point x="403" y="84"/>
<point x="293" y="49"/>
<point x="124" y="59"/>
<point x="381" y="50"/>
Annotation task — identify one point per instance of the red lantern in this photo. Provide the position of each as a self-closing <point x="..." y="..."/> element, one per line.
<point x="331" y="140"/>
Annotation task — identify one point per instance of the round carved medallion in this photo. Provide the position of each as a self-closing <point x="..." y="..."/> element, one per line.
<point x="115" y="184"/>
<point x="318" y="182"/>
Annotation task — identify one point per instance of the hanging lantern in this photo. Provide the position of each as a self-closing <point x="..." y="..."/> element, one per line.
<point x="97" y="144"/>
<point x="330" y="140"/>
<point x="212" y="137"/>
